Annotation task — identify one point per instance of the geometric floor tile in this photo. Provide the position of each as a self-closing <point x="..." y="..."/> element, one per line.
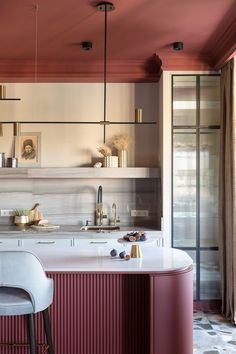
<point x="213" y="334"/>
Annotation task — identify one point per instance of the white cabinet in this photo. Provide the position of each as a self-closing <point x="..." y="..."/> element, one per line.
<point x="6" y="242"/>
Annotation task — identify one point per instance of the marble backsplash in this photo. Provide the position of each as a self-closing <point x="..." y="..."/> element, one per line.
<point x="72" y="201"/>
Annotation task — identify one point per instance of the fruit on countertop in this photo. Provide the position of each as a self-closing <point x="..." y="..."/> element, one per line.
<point x="122" y="254"/>
<point x="135" y="236"/>
<point x="113" y="253"/>
<point x="127" y="257"/>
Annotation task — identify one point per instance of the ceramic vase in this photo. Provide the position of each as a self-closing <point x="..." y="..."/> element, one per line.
<point x="123" y="158"/>
<point x="110" y="161"/>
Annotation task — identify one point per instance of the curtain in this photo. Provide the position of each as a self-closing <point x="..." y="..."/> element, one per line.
<point x="227" y="192"/>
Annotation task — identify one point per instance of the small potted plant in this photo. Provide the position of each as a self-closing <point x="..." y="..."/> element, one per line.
<point x="21" y="217"/>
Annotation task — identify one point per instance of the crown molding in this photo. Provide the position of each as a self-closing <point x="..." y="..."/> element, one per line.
<point x="225" y="47"/>
<point x="90" y="71"/>
<point x="148" y="70"/>
<point x="180" y="61"/>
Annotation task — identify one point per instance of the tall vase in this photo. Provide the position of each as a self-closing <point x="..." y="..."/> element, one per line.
<point x="123" y="158"/>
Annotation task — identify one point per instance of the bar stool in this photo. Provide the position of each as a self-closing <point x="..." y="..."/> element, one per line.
<point x="25" y="290"/>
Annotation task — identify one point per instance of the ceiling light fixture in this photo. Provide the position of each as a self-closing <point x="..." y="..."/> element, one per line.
<point x="178" y="45"/>
<point x="105" y="7"/>
<point x="87" y="45"/>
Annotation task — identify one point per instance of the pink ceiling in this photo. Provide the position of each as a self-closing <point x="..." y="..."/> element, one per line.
<point x="140" y="34"/>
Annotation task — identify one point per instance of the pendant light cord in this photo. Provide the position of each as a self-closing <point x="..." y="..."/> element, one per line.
<point x="105" y="72"/>
<point x="105" y="64"/>
<point x="36" y="44"/>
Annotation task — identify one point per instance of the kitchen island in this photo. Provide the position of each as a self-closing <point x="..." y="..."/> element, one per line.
<point x="105" y="305"/>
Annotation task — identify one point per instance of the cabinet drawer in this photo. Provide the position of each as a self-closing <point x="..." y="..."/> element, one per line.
<point x="6" y="242"/>
<point x="42" y="242"/>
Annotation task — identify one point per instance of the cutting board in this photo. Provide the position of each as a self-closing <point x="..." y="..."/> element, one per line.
<point x="45" y="227"/>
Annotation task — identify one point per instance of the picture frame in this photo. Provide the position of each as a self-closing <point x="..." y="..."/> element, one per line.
<point x="28" y="149"/>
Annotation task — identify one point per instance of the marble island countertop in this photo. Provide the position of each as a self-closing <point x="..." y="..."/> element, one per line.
<point x="96" y="258"/>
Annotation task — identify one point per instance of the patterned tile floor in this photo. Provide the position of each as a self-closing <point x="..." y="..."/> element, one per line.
<point x="213" y="334"/>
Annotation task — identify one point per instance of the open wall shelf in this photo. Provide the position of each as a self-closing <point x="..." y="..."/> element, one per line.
<point x="80" y="172"/>
<point x="76" y="122"/>
<point x="10" y="99"/>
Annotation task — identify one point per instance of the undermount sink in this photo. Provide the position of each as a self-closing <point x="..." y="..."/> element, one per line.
<point x="97" y="228"/>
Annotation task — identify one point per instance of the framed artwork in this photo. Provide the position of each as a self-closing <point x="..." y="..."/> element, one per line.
<point x="28" y="149"/>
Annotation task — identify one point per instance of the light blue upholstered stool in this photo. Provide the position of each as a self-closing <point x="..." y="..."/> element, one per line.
<point x="25" y="290"/>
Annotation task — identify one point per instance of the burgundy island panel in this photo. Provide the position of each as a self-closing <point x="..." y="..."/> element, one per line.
<point x="94" y="313"/>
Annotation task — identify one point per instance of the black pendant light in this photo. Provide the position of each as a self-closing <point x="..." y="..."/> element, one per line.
<point x="105" y="7"/>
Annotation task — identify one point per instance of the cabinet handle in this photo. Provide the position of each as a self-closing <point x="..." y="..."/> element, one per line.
<point x="98" y="242"/>
<point x="45" y="242"/>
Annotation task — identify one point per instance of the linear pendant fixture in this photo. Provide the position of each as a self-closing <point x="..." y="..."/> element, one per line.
<point x="105" y="7"/>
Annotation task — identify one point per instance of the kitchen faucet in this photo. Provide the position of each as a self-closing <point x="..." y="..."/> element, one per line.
<point x="99" y="208"/>
<point x="99" y="200"/>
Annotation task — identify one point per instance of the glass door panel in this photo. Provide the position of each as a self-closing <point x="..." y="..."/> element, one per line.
<point x="209" y="185"/>
<point x="184" y="100"/>
<point x="184" y="188"/>
<point x="192" y="254"/>
<point x="209" y="275"/>
<point x="209" y="100"/>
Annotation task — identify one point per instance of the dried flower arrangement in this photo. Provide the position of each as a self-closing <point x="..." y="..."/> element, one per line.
<point x="105" y="150"/>
<point x="121" y="142"/>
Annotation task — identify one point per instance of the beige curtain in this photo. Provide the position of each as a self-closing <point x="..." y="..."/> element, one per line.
<point x="227" y="209"/>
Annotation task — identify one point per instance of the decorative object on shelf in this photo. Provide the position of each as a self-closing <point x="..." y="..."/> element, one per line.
<point x="97" y="165"/>
<point x="136" y="252"/>
<point x="104" y="150"/>
<point x="28" y="149"/>
<point x="110" y="161"/>
<point x="138" y="115"/>
<point x="121" y="143"/>
<point x="123" y="158"/>
<point x="105" y="7"/>
<point x="12" y="162"/>
<point x="2" y="159"/>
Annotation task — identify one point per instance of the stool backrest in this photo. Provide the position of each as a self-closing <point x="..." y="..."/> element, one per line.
<point x="23" y="270"/>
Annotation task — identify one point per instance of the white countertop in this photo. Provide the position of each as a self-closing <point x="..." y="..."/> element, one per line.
<point x="74" y="231"/>
<point x="96" y="258"/>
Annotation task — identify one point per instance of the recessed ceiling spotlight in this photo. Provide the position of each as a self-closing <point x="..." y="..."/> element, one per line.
<point x="87" y="45"/>
<point x="178" y="45"/>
